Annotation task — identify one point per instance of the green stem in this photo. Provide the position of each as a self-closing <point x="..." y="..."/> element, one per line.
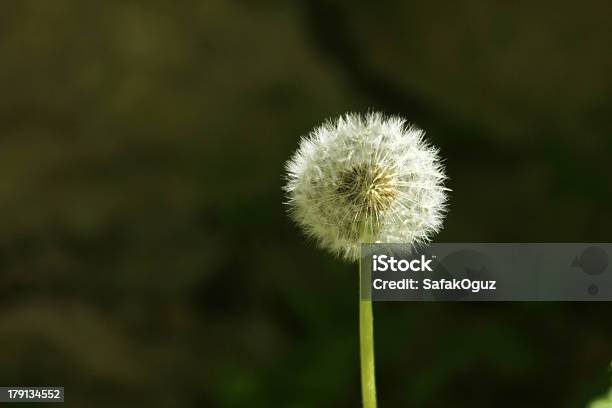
<point x="366" y="345"/>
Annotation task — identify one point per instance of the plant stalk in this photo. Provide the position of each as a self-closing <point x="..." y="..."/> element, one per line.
<point x="366" y="346"/>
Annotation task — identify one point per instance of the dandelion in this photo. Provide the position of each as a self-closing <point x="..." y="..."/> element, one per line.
<point x="367" y="179"/>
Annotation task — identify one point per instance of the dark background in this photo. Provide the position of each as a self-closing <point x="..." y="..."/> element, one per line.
<point x="146" y="258"/>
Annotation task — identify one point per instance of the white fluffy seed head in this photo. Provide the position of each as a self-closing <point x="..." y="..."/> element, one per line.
<point x="366" y="179"/>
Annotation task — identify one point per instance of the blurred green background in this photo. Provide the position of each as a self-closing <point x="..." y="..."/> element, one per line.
<point x="146" y="258"/>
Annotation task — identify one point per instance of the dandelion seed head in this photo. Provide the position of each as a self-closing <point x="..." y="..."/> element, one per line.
<point x="366" y="178"/>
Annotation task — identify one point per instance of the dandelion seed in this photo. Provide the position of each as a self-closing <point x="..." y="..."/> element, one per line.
<point x="366" y="179"/>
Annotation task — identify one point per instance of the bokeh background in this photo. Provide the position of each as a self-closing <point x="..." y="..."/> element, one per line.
<point x="146" y="258"/>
